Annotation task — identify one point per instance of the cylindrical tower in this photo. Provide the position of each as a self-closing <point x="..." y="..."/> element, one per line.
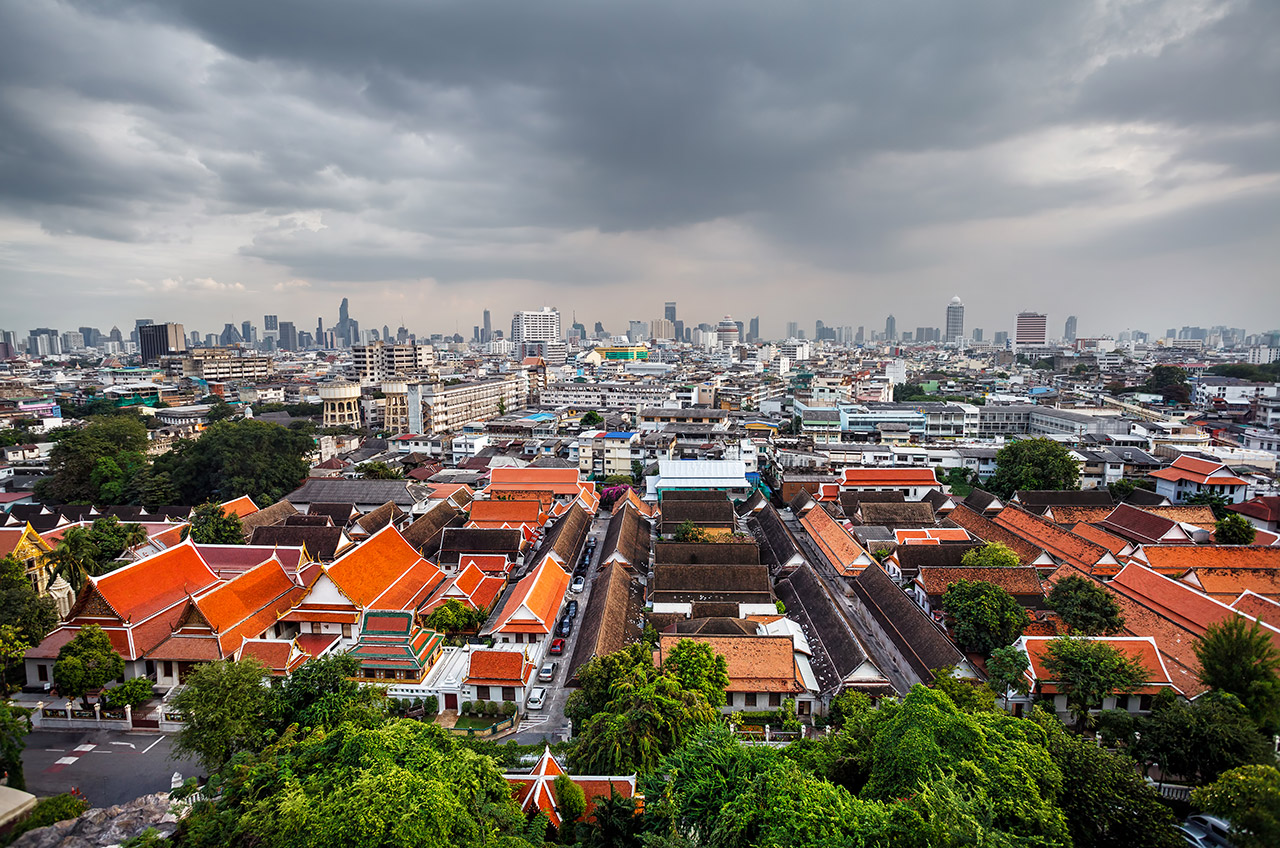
<point x="396" y="412"/>
<point x="341" y="403"/>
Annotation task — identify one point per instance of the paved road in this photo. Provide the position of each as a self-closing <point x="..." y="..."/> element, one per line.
<point x="549" y="723"/>
<point x="108" y="766"/>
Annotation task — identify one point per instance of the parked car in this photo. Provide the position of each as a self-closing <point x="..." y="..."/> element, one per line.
<point x="571" y="611"/>
<point x="579" y="583"/>
<point x="548" y="671"/>
<point x="566" y="627"/>
<point x="1209" y="830"/>
<point x="557" y="647"/>
<point x="537" y="699"/>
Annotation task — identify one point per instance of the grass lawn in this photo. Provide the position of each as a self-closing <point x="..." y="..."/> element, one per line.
<point x="477" y="722"/>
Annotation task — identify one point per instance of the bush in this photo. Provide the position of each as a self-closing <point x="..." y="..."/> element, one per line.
<point x="509" y="708"/>
<point x="493" y="708"/>
<point x="134" y="692"/>
<point x="464" y="708"/>
<point x="68" y="805"/>
<point x="431" y="705"/>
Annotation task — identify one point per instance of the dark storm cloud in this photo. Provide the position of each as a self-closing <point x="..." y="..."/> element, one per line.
<point x="399" y="139"/>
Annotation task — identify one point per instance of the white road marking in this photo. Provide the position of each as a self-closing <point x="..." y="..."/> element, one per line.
<point x="84" y="748"/>
<point x="129" y="744"/>
<point x="66" y="761"/>
<point x="152" y="745"/>
<point x="58" y="750"/>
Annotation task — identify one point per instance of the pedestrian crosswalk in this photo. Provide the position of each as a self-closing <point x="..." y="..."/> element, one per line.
<point x="531" y="723"/>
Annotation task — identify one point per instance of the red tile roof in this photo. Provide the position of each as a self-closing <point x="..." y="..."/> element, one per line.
<point x="1198" y="471"/>
<point x="1135" y="647"/>
<point x="860" y="477"/>
<point x="1059" y="543"/>
<point x="558" y="481"/>
<point x="1262" y="508"/>
<point x="1101" y="537"/>
<point x="384" y="571"/>
<point x="533" y="603"/>
<point x="146" y="587"/>
<point x="1176" y="560"/>
<point x="498" y="668"/>
<point x="837" y="544"/>
<point x="987" y="530"/>
<point x="1266" y="610"/>
<point x="240" y="507"/>
<point x="1173" y="600"/>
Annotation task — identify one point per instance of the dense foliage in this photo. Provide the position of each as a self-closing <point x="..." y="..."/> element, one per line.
<point x="27" y="617"/>
<point x="86" y="663"/>
<point x="104" y="462"/>
<point x="983" y="616"/>
<point x="1234" y="529"/>
<point x="1033" y="464"/>
<point x="234" y="458"/>
<point x="90" y="552"/>
<point x="1240" y="658"/>
<point x="991" y="555"/>
<point x="1088" y="671"/>
<point x="1086" y="607"/>
<point x="211" y="525"/>
<point x="1249" y="798"/>
<point x="15" y="724"/>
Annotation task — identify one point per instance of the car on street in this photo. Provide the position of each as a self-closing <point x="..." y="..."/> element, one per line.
<point x="557" y="647"/>
<point x="579" y="583"/>
<point x="1205" y="830"/>
<point x="537" y="699"/>
<point x="548" y="671"/>
<point x="566" y="627"/>
<point x="571" y="611"/>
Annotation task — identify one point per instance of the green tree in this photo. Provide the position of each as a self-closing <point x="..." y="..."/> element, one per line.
<point x="234" y="458"/>
<point x="28" y="616"/>
<point x="699" y="668"/>
<point x="591" y="419"/>
<point x="1033" y="464"/>
<point x="86" y="663"/>
<point x="1203" y="739"/>
<point x="1239" y="657"/>
<point x="1006" y="671"/>
<point x="226" y="707"/>
<point x="134" y="692"/>
<point x="571" y="802"/>
<point x="1234" y="530"/>
<point x="991" y="555"/>
<point x="211" y="525"/>
<point x="122" y="439"/>
<point x="219" y="410"/>
<point x="379" y="471"/>
<point x="983" y="616"/>
<point x="112" y="538"/>
<point x="454" y="617"/>
<point x="1089" y="670"/>
<point x="690" y="532"/>
<point x="1085" y="606"/>
<point x="648" y="718"/>
<point x="405" y="783"/>
<point x="322" y="693"/>
<point x="1106" y="803"/>
<point x="969" y="696"/>
<point x="1163" y="376"/>
<point x="1218" y="503"/>
<point x="1249" y="798"/>
<point x="15" y="724"/>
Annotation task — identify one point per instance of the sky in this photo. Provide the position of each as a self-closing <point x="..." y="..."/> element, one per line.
<point x="205" y="162"/>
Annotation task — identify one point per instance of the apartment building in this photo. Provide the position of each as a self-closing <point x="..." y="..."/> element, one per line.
<point x="446" y="407"/>
<point x="379" y="360"/>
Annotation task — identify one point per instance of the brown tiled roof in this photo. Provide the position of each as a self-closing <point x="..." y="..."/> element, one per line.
<point x="1037" y="501"/>
<point x="612" y="619"/>
<point x="457" y="541"/>
<point x="1070" y="515"/>
<point x="921" y="642"/>
<point x="706" y="553"/>
<point x="321" y="542"/>
<point x="565" y="537"/>
<point x="425" y="531"/>
<point x="1264" y="609"/>
<point x="340" y="513"/>
<point x="704" y="513"/>
<point x="628" y="536"/>
<point x="1142" y="527"/>
<point x="912" y="558"/>
<point x="711" y="579"/>
<point x="1061" y="544"/>
<point x="988" y="531"/>
<point x="274" y="514"/>
<point x="836" y="652"/>
<point x="776" y="544"/>
<point x="388" y="513"/>
<point x="1022" y="580"/>
<point x="1265" y="508"/>
<point x="897" y="514"/>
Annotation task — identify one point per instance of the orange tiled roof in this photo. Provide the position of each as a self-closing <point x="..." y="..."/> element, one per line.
<point x="534" y="601"/>
<point x="1176" y="601"/>
<point x="1198" y="471"/>
<point x="1176" y="560"/>
<point x="755" y="663"/>
<point x="244" y="607"/>
<point x="498" y="668"/>
<point x="506" y="513"/>
<point x="1266" y="610"/>
<point x="1135" y="647"/>
<point x="1101" y="537"/>
<point x="384" y="570"/>
<point x="1019" y="580"/>
<point x="150" y="585"/>
<point x="558" y="481"/>
<point x="836" y="543"/>
<point x="1225" y="584"/>
<point x="987" y="530"/>
<point x="471" y="586"/>
<point x="1059" y="543"/>
<point x="932" y="535"/>
<point x="240" y="507"/>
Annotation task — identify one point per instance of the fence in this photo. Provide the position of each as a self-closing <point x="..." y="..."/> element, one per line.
<point x="485" y="731"/>
<point x="71" y="717"/>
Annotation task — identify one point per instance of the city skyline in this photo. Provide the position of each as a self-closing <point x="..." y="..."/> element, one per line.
<point x="210" y="167"/>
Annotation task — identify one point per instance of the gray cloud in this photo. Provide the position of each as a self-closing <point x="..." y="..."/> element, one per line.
<point x="895" y="151"/>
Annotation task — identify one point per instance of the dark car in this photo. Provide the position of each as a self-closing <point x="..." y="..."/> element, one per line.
<point x="566" y="627"/>
<point x="571" y="611"/>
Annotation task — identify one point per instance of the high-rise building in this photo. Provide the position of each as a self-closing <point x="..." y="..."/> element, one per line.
<point x="1070" y="332"/>
<point x="157" y="340"/>
<point x="1031" y="330"/>
<point x="753" y="334"/>
<point x="727" y="332"/>
<point x="288" y="336"/>
<point x="669" y="311"/>
<point x="230" y="335"/>
<point x="977" y="334"/>
<point x="270" y="323"/>
<point x="1001" y="338"/>
<point x="860" y="338"/>
<point x="955" y="320"/>
<point x="638" y="331"/>
<point x="891" y="329"/>
<point x="486" y="331"/>
<point x="599" y="329"/>
<point x="793" y="329"/>
<point x="541" y="326"/>
<point x="662" y="328"/>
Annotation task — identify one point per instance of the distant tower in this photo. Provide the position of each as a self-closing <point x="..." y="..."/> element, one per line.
<point x="341" y="401"/>
<point x="727" y="332"/>
<point x="891" y="329"/>
<point x="669" y="311"/>
<point x="486" y="335"/>
<point x="753" y="334"/>
<point x="1030" y="330"/>
<point x="955" y="320"/>
<point x="1070" y="333"/>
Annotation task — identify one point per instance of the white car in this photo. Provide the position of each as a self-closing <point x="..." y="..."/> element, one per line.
<point x="578" y="584"/>
<point x="537" y="699"/>
<point x="548" y="672"/>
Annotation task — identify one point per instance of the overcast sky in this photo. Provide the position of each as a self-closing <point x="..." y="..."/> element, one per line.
<point x="206" y="162"/>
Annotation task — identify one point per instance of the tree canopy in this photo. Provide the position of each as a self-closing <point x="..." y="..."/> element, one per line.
<point x="983" y="616"/>
<point x="86" y="663"/>
<point x="99" y="463"/>
<point x="1088" y="670"/>
<point x="1006" y="671"/>
<point x="28" y="616"/>
<point x="226" y="708"/>
<point x="211" y="525"/>
<point x="699" y="668"/>
<point x="1248" y="797"/>
<point x="1238" y="657"/>
<point x="1033" y="464"/>
<point x="991" y="555"/>
<point x="1234" y="529"/>
<point x="235" y="458"/>
<point x="1085" y="606"/>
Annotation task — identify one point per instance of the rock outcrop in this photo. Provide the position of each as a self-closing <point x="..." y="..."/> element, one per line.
<point x="104" y="827"/>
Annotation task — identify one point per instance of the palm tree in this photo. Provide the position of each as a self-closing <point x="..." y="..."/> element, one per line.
<point x="75" y="559"/>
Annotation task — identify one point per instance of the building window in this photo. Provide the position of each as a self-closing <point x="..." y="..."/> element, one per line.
<point x="775" y="699"/>
<point x="749" y="699"/>
<point x="346" y="631"/>
<point x="482" y="693"/>
<point x="42" y="672"/>
<point x="508" y="693"/>
<point x="168" y="668"/>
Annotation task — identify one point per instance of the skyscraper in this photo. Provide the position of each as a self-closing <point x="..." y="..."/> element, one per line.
<point x="528" y="327"/>
<point x="288" y="336"/>
<point x="1030" y="330"/>
<point x="891" y="329"/>
<point x="753" y="334"/>
<point x="486" y="332"/>
<point x="1070" y="333"/>
<point x="157" y="340"/>
<point x="271" y="323"/>
<point x="955" y="320"/>
<point x="793" y="328"/>
<point x="246" y="331"/>
<point x="669" y="311"/>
